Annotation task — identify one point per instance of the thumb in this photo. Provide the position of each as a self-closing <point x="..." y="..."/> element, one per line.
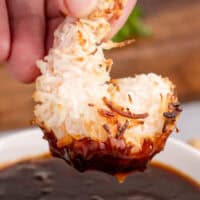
<point x="77" y="8"/>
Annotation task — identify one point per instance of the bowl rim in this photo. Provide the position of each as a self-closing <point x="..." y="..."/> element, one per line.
<point x="28" y="143"/>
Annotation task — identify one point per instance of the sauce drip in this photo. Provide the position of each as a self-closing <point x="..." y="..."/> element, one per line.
<point x="121" y="178"/>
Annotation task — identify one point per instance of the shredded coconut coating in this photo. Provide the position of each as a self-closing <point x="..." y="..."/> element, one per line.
<point x="77" y="99"/>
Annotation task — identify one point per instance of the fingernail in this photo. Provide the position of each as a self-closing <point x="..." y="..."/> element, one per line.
<point x="79" y="8"/>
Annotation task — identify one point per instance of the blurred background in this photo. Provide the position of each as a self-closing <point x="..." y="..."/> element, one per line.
<point x="167" y="42"/>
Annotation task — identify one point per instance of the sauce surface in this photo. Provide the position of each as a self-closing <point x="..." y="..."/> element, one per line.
<point x="52" y="179"/>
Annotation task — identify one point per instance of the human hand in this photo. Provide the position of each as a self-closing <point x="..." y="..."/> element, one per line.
<point x="26" y="30"/>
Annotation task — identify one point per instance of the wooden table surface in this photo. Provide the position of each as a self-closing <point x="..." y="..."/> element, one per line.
<point x="173" y="50"/>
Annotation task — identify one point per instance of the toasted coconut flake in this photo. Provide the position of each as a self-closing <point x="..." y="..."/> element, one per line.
<point x="120" y="110"/>
<point x="107" y="129"/>
<point x="170" y="115"/>
<point x="122" y="129"/>
<point x="91" y="104"/>
<point x="106" y="113"/>
<point x="130" y="98"/>
<point x="110" y="44"/>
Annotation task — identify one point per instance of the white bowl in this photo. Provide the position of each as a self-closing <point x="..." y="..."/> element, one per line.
<point x="29" y="143"/>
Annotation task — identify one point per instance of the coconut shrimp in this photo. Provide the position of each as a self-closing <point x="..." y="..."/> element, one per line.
<point x="91" y="120"/>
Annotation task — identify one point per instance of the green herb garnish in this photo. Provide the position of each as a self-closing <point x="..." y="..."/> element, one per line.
<point x="134" y="27"/>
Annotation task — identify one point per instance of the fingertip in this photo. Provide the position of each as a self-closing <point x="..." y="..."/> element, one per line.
<point x="77" y="8"/>
<point x="23" y="69"/>
<point x="26" y="79"/>
<point x="22" y="60"/>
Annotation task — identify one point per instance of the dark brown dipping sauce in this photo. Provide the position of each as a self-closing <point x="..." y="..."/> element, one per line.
<point x="52" y="179"/>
